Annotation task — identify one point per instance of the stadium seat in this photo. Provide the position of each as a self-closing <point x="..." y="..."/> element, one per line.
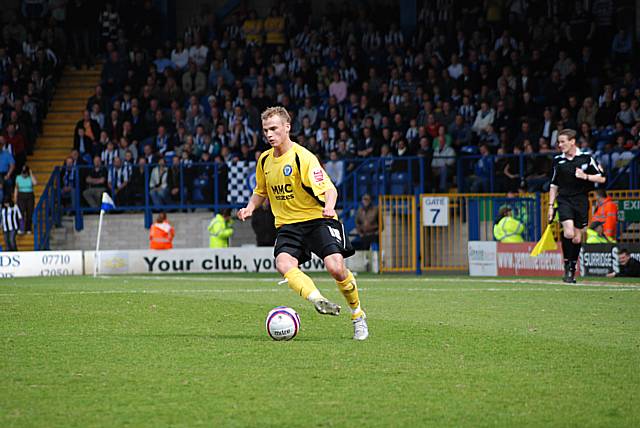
<point x="363" y="184"/>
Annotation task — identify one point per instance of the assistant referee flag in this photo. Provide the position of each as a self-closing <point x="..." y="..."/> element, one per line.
<point x="545" y="243"/>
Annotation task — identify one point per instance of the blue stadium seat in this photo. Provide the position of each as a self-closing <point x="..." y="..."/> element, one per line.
<point x="198" y="185"/>
<point x="363" y="184"/>
<point x="399" y="183"/>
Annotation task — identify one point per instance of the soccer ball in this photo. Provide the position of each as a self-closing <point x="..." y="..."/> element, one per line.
<point x="282" y="323"/>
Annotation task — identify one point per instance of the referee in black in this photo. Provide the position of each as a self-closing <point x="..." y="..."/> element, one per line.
<point x="572" y="178"/>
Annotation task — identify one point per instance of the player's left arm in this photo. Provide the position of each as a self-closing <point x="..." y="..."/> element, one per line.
<point x="330" y="198"/>
<point x="316" y="177"/>
<point x="593" y="172"/>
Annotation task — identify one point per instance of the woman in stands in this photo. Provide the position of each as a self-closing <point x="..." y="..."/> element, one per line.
<point x="23" y="193"/>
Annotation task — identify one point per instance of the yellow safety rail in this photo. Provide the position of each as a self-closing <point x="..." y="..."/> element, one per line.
<point x="631" y="234"/>
<point x="397" y="215"/>
<point x="444" y="248"/>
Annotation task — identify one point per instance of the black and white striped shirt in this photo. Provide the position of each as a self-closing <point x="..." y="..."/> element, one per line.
<point x="108" y="156"/>
<point x="119" y="176"/>
<point x="10" y="218"/>
<point x="393" y="38"/>
<point x="300" y="92"/>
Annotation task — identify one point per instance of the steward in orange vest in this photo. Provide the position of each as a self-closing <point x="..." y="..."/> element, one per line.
<point x="607" y="213"/>
<point x="161" y="234"/>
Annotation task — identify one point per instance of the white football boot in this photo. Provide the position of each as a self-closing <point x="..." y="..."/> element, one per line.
<point x="360" y="327"/>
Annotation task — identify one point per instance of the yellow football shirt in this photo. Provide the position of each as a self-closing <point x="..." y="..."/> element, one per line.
<point x="294" y="183"/>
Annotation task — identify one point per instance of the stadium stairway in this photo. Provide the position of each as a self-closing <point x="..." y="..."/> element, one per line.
<point x="56" y="141"/>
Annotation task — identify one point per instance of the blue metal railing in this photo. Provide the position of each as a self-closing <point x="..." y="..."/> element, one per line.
<point x="204" y="186"/>
<point x="48" y="211"/>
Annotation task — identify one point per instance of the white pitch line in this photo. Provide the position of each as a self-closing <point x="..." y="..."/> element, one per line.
<point x="278" y="290"/>
<point x="403" y="279"/>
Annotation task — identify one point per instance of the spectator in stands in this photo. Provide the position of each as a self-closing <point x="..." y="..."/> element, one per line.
<point x="366" y="224"/>
<point x="220" y="229"/>
<point x="80" y="19"/>
<point x="507" y="229"/>
<point x="96" y="183"/>
<point x="173" y="181"/>
<point x="484" y="118"/>
<point x="480" y="179"/>
<point x="335" y="168"/>
<point x="137" y="182"/>
<point x="595" y="234"/>
<point x="114" y="74"/>
<point x="158" y="184"/>
<point x="194" y="81"/>
<point x="11" y="218"/>
<point x="161" y="233"/>
<point x="444" y="158"/>
<point x="119" y="176"/>
<point x="7" y="166"/>
<point x="69" y="179"/>
<point x="24" y="195"/>
<point x="628" y="266"/>
<point x="606" y="212"/>
<point x="90" y="126"/>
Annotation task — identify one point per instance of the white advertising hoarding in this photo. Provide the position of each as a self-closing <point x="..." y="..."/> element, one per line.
<point x="200" y="260"/>
<point x="40" y="263"/>
<point x="483" y="258"/>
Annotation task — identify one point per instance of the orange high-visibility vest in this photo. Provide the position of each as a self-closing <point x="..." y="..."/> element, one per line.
<point x="607" y="212"/>
<point x="161" y="236"/>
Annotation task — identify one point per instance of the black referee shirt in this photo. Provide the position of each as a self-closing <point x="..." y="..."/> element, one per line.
<point x="563" y="174"/>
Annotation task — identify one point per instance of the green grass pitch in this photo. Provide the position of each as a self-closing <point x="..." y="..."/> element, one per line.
<point x="192" y="351"/>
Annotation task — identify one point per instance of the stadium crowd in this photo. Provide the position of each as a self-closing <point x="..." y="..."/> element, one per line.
<point x="491" y="79"/>
<point x="32" y="52"/>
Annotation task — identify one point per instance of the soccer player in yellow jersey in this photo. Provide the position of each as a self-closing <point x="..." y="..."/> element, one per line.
<point x="303" y="200"/>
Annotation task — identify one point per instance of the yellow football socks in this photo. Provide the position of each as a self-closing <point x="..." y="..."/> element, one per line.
<point x="299" y="282"/>
<point x="349" y="290"/>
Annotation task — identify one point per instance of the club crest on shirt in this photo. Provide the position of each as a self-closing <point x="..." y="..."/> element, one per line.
<point x="318" y="175"/>
<point x="287" y="170"/>
<point x="584" y="166"/>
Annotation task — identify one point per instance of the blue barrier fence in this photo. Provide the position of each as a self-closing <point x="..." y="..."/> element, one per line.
<point x="205" y="185"/>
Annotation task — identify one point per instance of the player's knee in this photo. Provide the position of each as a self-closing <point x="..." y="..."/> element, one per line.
<point x="569" y="233"/>
<point x="335" y="267"/>
<point x="284" y="263"/>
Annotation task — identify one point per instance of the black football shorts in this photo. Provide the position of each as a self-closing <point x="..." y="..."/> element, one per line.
<point x="574" y="208"/>
<point x="321" y="236"/>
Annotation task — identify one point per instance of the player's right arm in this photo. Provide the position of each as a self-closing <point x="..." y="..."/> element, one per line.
<point x="255" y="201"/>
<point x="259" y="193"/>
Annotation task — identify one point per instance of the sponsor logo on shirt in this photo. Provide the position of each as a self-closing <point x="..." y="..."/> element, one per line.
<point x="318" y="175"/>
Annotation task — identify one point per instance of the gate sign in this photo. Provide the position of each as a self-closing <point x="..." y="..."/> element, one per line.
<point x="629" y="210"/>
<point x="435" y="211"/>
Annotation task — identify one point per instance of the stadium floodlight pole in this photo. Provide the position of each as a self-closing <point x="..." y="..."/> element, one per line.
<point x="107" y="205"/>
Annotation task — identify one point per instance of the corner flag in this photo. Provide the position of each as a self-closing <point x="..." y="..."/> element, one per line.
<point x="107" y="203"/>
<point x="545" y="243"/>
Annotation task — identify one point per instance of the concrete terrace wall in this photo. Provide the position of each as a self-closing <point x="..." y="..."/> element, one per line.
<point x="127" y="232"/>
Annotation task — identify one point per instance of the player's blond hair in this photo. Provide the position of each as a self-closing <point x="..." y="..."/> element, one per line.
<point x="276" y="111"/>
<point x="569" y="133"/>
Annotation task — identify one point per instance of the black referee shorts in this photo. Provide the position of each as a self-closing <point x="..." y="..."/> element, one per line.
<point x="574" y="208"/>
<point x="321" y="236"/>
